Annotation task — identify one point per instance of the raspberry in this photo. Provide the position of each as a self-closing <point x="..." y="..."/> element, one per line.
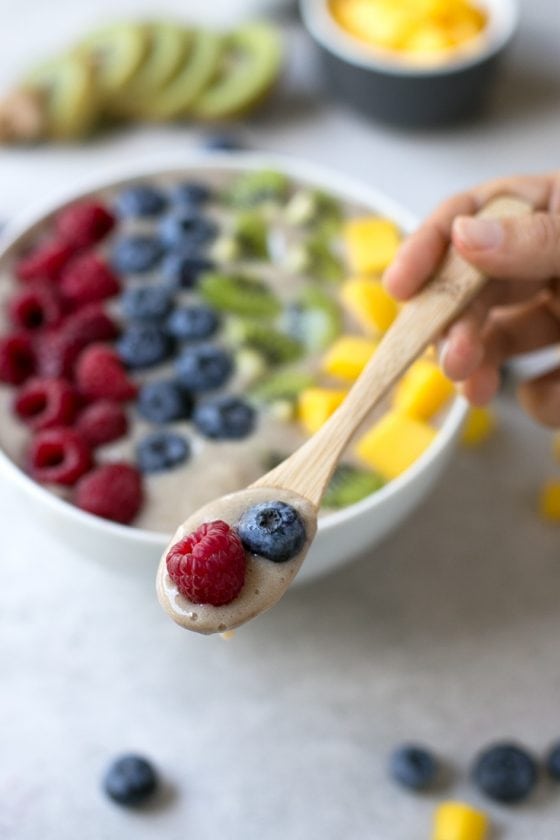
<point x="35" y="307"/>
<point x="89" y="324"/>
<point x="57" y="354"/>
<point x="87" y="279"/>
<point x="84" y="224"/>
<point x="45" y="262"/>
<point x="17" y="359"/>
<point x="45" y="403"/>
<point x="102" y="422"/>
<point x="100" y="374"/>
<point x="58" y="456"/>
<point x="112" y="491"/>
<point x="208" y="566"/>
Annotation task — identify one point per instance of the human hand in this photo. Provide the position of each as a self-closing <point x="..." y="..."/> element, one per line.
<point x="519" y="311"/>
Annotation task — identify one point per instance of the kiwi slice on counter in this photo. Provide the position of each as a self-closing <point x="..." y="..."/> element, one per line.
<point x="168" y="48"/>
<point x="250" y="231"/>
<point x="316" y="258"/>
<point x="315" y="319"/>
<point x="282" y="385"/>
<point x="238" y="294"/>
<point x="69" y="96"/>
<point x="276" y="347"/>
<point x="116" y="53"/>
<point x="254" y="188"/>
<point x="349" y="485"/>
<point x="250" y="66"/>
<point x="199" y="67"/>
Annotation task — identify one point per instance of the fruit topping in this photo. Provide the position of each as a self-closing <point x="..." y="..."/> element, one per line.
<point x="165" y="402"/>
<point x="281" y="385"/>
<point x="84" y="224"/>
<point x="100" y="375"/>
<point x="146" y="303"/>
<point x="136" y="254"/>
<point x="225" y="418"/>
<point x="35" y="307"/>
<point x="17" y="359"/>
<point x="112" y="491"/>
<point x="204" y="367"/>
<point x="141" y="200"/>
<point x="254" y="188"/>
<point x="102" y="422"/>
<point x="193" y="323"/>
<point x="182" y="271"/>
<point x="187" y="231"/>
<point x="88" y="279"/>
<point x="274" y="530"/>
<point x="162" y="451"/>
<point x="239" y="294"/>
<point x="58" y="456"/>
<point x="45" y="262"/>
<point x="45" y="403"/>
<point x="144" y="345"/>
<point x="349" y="485"/>
<point x="90" y="323"/>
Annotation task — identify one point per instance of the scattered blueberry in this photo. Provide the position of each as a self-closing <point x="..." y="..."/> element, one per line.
<point x="222" y="143"/>
<point x="130" y="780"/>
<point x="413" y="767"/>
<point x="191" y="194"/>
<point x="273" y="530"/>
<point x="193" y="323"/>
<point x="181" y="271"/>
<point x="164" y="401"/>
<point x="553" y="763"/>
<point x="136" y="254"/>
<point x="187" y="231"/>
<point x="146" y="303"/>
<point x="141" y="200"/>
<point x="160" y="451"/>
<point x="225" y="418"/>
<point x="144" y="345"/>
<point x="505" y="772"/>
<point x="204" y="367"/>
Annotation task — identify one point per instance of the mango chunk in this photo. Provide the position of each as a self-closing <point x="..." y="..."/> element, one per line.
<point x="394" y="444"/>
<point x="315" y="406"/>
<point x="457" y="821"/>
<point x="549" y="501"/>
<point x="479" y="426"/>
<point x="348" y="356"/>
<point x="423" y="390"/>
<point x="368" y="302"/>
<point x="371" y="243"/>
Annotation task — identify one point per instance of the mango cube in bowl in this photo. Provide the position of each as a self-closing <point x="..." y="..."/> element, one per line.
<point x="348" y="356"/>
<point x="368" y="302"/>
<point x="394" y="444"/>
<point x="371" y="243"/>
<point x="315" y="406"/>
<point x="423" y="390"/>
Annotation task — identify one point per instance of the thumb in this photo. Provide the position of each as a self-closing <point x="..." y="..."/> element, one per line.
<point x="525" y="248"/>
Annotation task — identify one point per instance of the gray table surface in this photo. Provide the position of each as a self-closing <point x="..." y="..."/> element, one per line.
<point x="448" y="633"/>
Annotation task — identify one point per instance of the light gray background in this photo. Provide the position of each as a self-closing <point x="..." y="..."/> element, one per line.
<point x="447" y="634"/>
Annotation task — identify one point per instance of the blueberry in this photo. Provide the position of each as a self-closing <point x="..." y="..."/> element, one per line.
<point x="161" y="451"/>
<point x="226" y="418"/>
<point x="191" y="194"/>
<point x="144" y="345"/>
<point x="204" y="367"/>
<point x="553" y="763"/>
<point x="181" y="271"/>
<point x="187" y="231"/>
<point x="130" y="780"/>
<point x="413" y="767"/>
<point x="164" y="401"/>
<point x="193" y="323"/>
<point x="141" y="200"/>
<point x="136" y="254"/>
<point x="505" y="772"/>
<point x="222" y="143"/>
<point x="273" y="530"/>
<point x="146" y="303"/>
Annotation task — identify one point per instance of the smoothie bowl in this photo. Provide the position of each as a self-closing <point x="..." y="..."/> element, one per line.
<point x="168" y="334"/>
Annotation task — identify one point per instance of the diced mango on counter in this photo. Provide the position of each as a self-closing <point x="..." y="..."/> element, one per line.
<point x="394" y="443"/>
<point x="423" y="390"/>
<point x="457" y="821"/>
<point x="348" y="356"/>
<point x="479" y="426"/>
<point x="367" y="301"/>
<point x="371" y="243"/>
<point x="549" y="501"/>
<point x="315" y="406"/>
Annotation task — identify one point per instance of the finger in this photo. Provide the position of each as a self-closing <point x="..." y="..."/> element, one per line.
<point x="482" y="386"/>
<point x="536" y="189"/>
<point x="526" y="248"/>
<point x="522" y="329"/>
<point x="541" y="398"/>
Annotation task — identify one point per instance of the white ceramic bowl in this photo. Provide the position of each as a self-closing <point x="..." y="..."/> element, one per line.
<point x="342" y="535"/>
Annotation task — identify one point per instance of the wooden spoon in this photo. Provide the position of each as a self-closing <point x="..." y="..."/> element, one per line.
<point x="302" y="479"/>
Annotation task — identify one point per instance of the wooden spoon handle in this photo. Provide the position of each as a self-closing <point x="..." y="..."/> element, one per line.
<point x="419" y="322"/>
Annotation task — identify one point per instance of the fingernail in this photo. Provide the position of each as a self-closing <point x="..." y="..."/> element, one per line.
<point x="442" y="353"/>
<point x="479" y="234"/>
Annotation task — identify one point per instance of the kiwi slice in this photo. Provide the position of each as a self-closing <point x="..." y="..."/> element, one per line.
<point x="238" y="294"/>
<point x="249" y="67"/>
<point x="168" y="47"/>
<point x="276" y="347"/>
<point x="201" y="63"/>
<point x="251" y="234"/>
<point x="282" y="385"/>
<point x="315" y="319"/>
<point x="254" y="188"/>
<point x="116" y="53"/>
<point x="67" y="87"/>
<point x="350" y="485"/>
<point x="315" y="257"/>
<point x="314" y="208"/>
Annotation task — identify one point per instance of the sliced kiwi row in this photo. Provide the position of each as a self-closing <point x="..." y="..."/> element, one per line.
<point x="156" y="71"/>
